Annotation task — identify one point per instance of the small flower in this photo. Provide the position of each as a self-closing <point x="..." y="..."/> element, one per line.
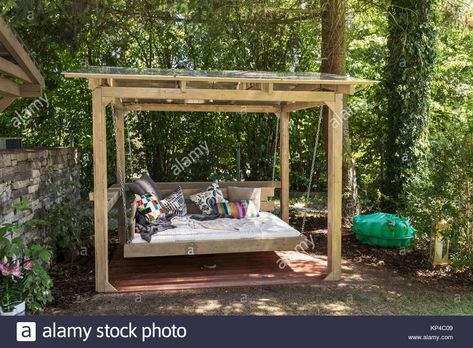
<point x="4" y="269"/>
<point x="27" y="264"/>
<point x="15" y="270"/>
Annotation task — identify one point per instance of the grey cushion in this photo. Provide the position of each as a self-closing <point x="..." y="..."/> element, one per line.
<point x="145" y="185"/>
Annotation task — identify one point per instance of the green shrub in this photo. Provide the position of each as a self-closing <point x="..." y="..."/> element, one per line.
<point x="23" y="273"/>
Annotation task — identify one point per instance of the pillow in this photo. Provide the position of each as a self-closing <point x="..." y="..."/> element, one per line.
<point x="236" y="193"/>
<point x="174" y="204"/>
<point x="145" y="185"/>
<point x="149" y="206"/>
<point x="239" y="210"/>
<point x="207" y="199"/>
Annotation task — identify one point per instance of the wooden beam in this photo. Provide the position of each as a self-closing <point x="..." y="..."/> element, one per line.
<point x="298" y="106"/>
<point x="120" y="171"/>
<point x="5" y="102"/>
<point x="215" y="94"/>
<point x="267" y="87"/>
<point x="202" y="108"/>
<point x="223" y="184"/>
<point x="13" y="45"/>
<point x="9" y="87"/>
<point x="335" y="140"/>
<point x="212" y="246"/>
<point x="284" y="150"/>
<point x="113" y="195"/>
<point x="13" y="70"/>
<point x="182" y="86"/>
<point x="345" y="89"/>
<point x="100" y="191"/>
<point x="29" y="90"/>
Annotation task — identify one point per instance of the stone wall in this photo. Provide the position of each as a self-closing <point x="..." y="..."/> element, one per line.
<point x="40" y="175"/>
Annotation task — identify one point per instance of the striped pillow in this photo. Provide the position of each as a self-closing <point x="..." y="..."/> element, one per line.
<point x="238" y="210"/>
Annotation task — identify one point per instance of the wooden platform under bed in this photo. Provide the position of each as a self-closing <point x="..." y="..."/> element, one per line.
<point x="236" y="269"/>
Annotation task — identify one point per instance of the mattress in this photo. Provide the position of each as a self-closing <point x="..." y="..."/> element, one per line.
<point x="266" y="226"/>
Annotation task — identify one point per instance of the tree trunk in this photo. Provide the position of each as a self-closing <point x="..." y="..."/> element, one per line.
<point x="334" y="62"/>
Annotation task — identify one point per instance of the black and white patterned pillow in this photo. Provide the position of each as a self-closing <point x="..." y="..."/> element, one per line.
<point x="207" y="199"/>
<point x="174" y="204"/>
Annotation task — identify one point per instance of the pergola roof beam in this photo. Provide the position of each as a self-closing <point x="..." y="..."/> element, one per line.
<point x="15" y="48"/>
<point x="8" y="87"/>
<point x="13" y="70"/>
<point x="215" y="94"/>
<point x="5" y="102"/>
<point x="203" y="108"/>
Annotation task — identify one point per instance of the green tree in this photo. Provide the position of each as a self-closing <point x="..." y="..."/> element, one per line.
<point x="407" y="87"/>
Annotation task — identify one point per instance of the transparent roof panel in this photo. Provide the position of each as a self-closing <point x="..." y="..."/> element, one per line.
<point x="212" y="75"/>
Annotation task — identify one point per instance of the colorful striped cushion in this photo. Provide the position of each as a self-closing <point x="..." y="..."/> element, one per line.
<point x="239" y="209"/>
<point x="148" y="205"/>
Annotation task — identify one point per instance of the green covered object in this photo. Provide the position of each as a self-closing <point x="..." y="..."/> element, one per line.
<point x="384" y="230"/>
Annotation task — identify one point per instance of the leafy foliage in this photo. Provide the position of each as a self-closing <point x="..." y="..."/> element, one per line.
<point x="407" y="85"/>
<point x="23" y="273"/>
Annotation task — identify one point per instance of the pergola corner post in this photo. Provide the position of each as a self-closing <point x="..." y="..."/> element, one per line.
<point x="284" y="160"/>
<point x="335" y="141"/>
<point x="100" y="190"/>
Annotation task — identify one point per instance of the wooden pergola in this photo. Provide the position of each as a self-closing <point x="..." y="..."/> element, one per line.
<point x="19" y="74"/>
<point x="214" y="91"/>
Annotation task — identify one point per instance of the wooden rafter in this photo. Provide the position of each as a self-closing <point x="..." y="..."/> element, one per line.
<point x="16" y="49"/>
<point x="14" y="70"/>
<point x="5" y="102"/>
<point x="20" y="76"/>
<point x="8" y="87"/>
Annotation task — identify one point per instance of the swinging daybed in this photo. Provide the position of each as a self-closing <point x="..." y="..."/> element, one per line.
<point x="272" y="233"/>
<point x="129" y="89"/>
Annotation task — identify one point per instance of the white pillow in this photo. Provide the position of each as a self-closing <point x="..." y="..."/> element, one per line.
<point x="207" y="199"/>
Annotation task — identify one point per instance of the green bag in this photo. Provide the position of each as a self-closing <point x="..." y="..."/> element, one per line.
<point x="385" y="230"/>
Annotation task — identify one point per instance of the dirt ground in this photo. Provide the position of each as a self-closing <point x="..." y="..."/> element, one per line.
<point x="376" y="281"/>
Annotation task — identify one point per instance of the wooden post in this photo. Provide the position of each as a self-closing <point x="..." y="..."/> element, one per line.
<point x="100" y="191"/>
<point x="120" y="170"/>
<point x="335" y="141"/>
<point x="284" y="138"/>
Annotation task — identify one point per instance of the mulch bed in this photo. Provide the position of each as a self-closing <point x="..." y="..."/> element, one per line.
<point x="412" y="262"/>
<point x="73" y="282"/>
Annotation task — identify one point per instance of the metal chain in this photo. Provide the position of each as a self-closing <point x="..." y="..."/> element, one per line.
<point x="276" y="140"/>
<point x="132" y="171"/>
<point x="121" y="175"/>
<point x="312" y="167"/>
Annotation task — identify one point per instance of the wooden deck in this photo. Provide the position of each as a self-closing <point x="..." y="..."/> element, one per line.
<point x="233" y="270"/>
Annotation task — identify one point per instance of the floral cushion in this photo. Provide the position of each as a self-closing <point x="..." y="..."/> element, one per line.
<point x="207" y="199"/>
<point x="239" y="210"/>
<point x="149" y="206"/>
<point x="174" y="204"/>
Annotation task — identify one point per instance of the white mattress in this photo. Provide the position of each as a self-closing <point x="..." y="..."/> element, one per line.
<point x="266" y="226"/>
